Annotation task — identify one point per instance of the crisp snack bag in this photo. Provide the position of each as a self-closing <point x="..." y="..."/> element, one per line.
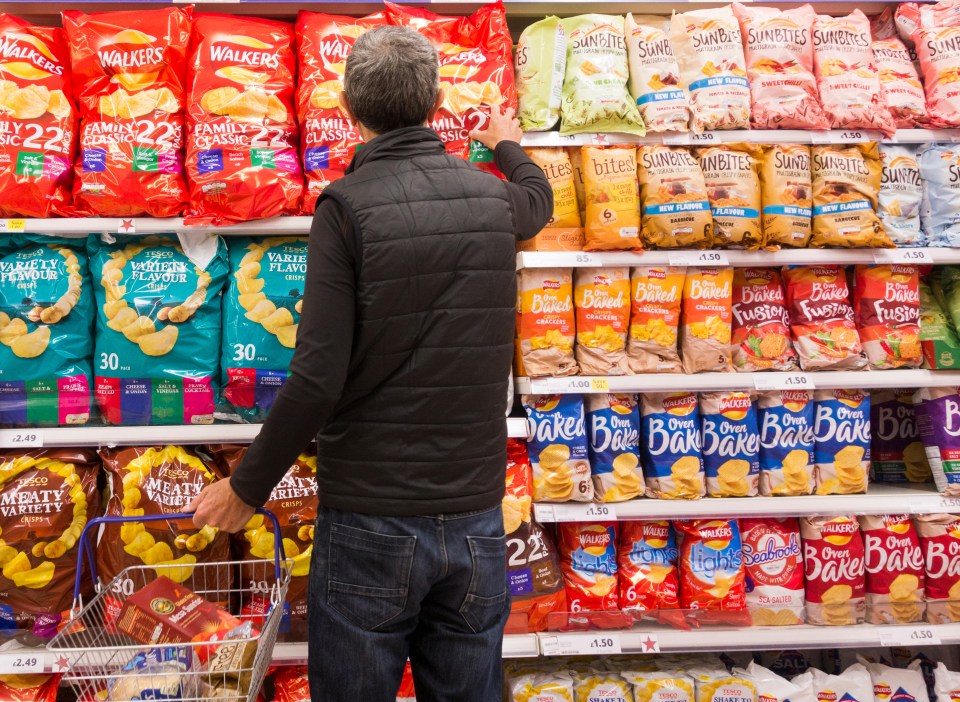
<point x="712" y="576"/>
<point x="242" y="137"/>
<point x="842" y="435"/>
<point x="597" y="684"/>
<point x="899" y="82"/>
<point x="940" y="206"/>
<point x="774" y="569"/>
<point x="938" y="53"/>
<point x="771" y="687"/>
<point x="834" y="570"/>
<point x="38" y="120"/>
<point x="539" y="686"/>
<point x="895" y="684"/>
<point x="655" y="294"/>
<point x="555" y="164"/>
<point x="821" y="318"/>
<point x="534" y="577"/>
<point x="778" y="47"/>
<point x="670" y="425"/>
<point x="731" y="443"/>
<point x="705" y="328"/>
<point x="576" y="162"/>
<point x="894" y="569"/>
<point x="852" y="685"/>
<point x="938" y="419"/>
<point x="602" y="301"/>
<point x="648" y="567"/>
<point x="612" y="199"/>
<point x="847" y="76"/>
<point x="947" y="685"/>
<point x="129" y="76"/>
<point x="614" y="423"/>
<point x="712" y="68"/>
<point x="518" y="494"/>
<point x="886" y="302"/>
<point x="731" y="173"/>
<point x="901" y="194"/>
<point x="676" y="209"/>
<point x="588" y="558"/>
<point x="717" y="685"/>
<point x="939" y="536"/>
<point x="786" y="193"/>
<point x="539" y="64"/>
<point x="545" y="321"/>
<point x="595" y="97"/>
<point x="938" y="336"/>
<point x="786" y="420"/>
<point x="761" y="325"/>
<point x="846" y="185"/>
<point x="896" y="452"/>
<point x="655" y="74"/>
<point x="558" y="448"/>
<point x="660" y="685"/>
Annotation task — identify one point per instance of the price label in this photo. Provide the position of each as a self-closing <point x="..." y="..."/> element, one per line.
<point x="21" y="438"/>
<point x="704" y="138"/>
<point x="584" y="259"/>
<point x="12" y="226"/>
<point x="783" y="381"/>
<point x="909" y="636"/>
<point x="698" y="258"/>
<point x="600" y="384"/>
<point x="23" y="663"/>
<point x="603" y="512"/>
<point x="576" y="645"/>
<point x="851" y="137"/>
<point x="578" y="385"/>
<point x="917" y="256"/>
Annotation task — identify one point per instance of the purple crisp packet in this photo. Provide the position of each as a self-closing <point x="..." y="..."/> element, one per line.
<point x="938" y="421"/>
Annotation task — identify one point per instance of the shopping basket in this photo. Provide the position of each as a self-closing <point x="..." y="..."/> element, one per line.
<point x="105" y="664"/>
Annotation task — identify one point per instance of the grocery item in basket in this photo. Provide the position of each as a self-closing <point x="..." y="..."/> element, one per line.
<point x="546" y="321"/>
<point x="672" y="458"/>
<point x="847" y="75"/>
<point x="655" y="74"/>
<point x="886" y="302"/>
<point x="655" y="293"/>
<point x="897" y="683"/>
<point x="774" y="569"/>
<point x="853" y="684"/>
<point x="17" y="687"/>
<point x="526" y="685"/>
<point x="899" y="82"/>
<point x="558" y="448"/>
<point x="712" y="575"/>
<point x="676" y="209"/>
<point x="712" y="68"/>
<point x="786" y="192"/>
<point x="896" y="452"/>
<point x="938" y="421"/>
<point x="940" y="206"/>
<point x="771" y="687"/>
<point x="901" y="192"/>
<point x="614" y="424"/>
<point x="731" y="443"/>
<point x="647" y="558"/>
<point x="588" y="557"/>
<point x="715" y="684"/>
<point x="846" y="186"/>
<point x="555" y="164"/>
<point x="539" y="64"/>
<point x="842" y="435"/>
<point x="602" y="300"/>
<point x="705" y="328"/>
<point x="329" y="138"/>
<point x="595" y="97"/>
<point x="894" y="569"/>
<point x="261" y="313"/>
<point x="290" y="684"/>
<point x="46" y="332"/>
<point x="158" y="673"/>
<point x="821" y="318"/>
<point x="761" y="324"/>
<point x="939" y="536"/>
<point x="36" y="98"/>
<point x="158" y="329"/>
<point x="732" y="176"/>
<point x="518" y="493"/>
<point x="612" y="198"/>
<point x="659" y="685"/>
<point x="833" y="561"/>
<point x="939" y="57"/>
<point x="938" y="336"/>
<point x="778" y="46"/>
<point x="786" y="419"/>
<point x="534" y="576"/>
<point x="947" y="684"/>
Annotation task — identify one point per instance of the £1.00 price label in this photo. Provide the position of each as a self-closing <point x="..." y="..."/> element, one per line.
<point x="698" y="258"/>
<point x="782" y="381"/>
<point x="21" y="438"/>
<point x="577" y="645"/>
<point x="922" y="635"/>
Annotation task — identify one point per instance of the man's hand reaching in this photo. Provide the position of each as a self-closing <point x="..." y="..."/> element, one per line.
<point x="218" y="506"/>
<point x="503" y="126"/>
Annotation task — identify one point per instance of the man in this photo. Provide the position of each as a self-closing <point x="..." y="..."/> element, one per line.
<point x="400" y="372"/>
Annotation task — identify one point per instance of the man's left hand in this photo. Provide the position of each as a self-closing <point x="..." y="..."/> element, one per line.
<point x="218" y="506"/>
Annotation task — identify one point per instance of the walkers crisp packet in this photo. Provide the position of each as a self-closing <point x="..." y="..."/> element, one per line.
<point x="614" y="425"/>
<point x="786" y="442"/>
<point x="939" y="536"/>
<point x="712" y="575"/>
<point x="731" y="443"/>
<point x="833" y="561"/>
<point x="896" y="452"/>
<point x="671" y="447"/>
<point x="648" y="567"/>
<point x="588" y="557"/>
<point x="558" y="448"/>
<point x="842" y="435"/>
<point x="894" y="569"/>
<point x="938" y="421"/>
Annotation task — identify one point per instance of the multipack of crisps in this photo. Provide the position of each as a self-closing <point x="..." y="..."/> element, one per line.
<point x="846" y="186"/>
<point x="773" y="687"/>
<point x="242" y="135"/>
<point x="900" y="83"/>
<point x="539" y="64"/>
<point x="896" y="452"/>
<point x="786" y="193"/>
<point x="47" y="496"/>
<point x="842" y="435"/>
<point x="712" y="576"/>
<point x="774" y="567"/>
<point x="705" y="325"/>
<point x="822" y="319"/>
<point x="602" y="304"/>
<point x="939" y="536"/>
<point x="655" y="296"/>
<point x="614" y="425"/>
<point x="676" y="209"/>
<point x="938" y="422"/>
<point x="786" y="419"/>
<point x="901" y="195"/>
<point x="546" y="322"/>
<point x="588" y="557"/>
<point x="833" y="562"/>
<point x="329" y="139"/>
<point x="731" y="443"/>
<point x="894" y="569"/>
<point x="655" y="74"/>
<point x="892" y="684"/>
<point x="612" y="198"/>
<point x="476" y="72"/>
<point x="715" y="684"/>
<point x="534" y="577"/>
<point x="886" y="302"/>
<point x="649" y="581"/>
<point x="596" y="683"/>
<point x="761" y="324"/>
<point x="556" y="166"/>
<point x="670" y="425"/>
<point x="558" y="448"/>
<point x="660" y="685"/>
<point x="731" y="173"/>
<point x="940" y="205"/>
<point x="854" y="684"/>
<point x="129" y="76"/>
<point x="38" y="120"/>
<point x="529" y="685"/>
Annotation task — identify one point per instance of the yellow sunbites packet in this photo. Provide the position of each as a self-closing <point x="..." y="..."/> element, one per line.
<point x="676" y="210"/>
<point x="612" y="199"/>
<point x="556" y="166"/>
<point x="786" y="192"/>
<point x="731" y="173"/>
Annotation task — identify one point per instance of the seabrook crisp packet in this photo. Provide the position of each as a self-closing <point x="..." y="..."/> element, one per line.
<point x="588" y="557"/>
<point x="842" y="435"/>
<point x="672" y="456"/>
<point x="655" y="74"/>
<point x="773" y="562"/>
<point x="655" y="295"/>
<point x="712" y="576"/>
<point x="648" y="567"/>
<point x="901" y="195"/>
<point x="555" y="164"/>
<point x="602" y="302"/>
<point x="676" y="209"/>
<point x="731" y="443"/>
<point x="894" y="569"/>
<point x="899" y="82"/>
<point x="761" y="324"/>
<point x="614" y="425"/>
<point x="940" y="204"/>
<point x="846" y="186"/>
<point x="852" y="685"/>
<point x="546" y="321"/>
<point x="786" y="194"/>
<point x="896" y="452"/>
<point x="539" y="64"/>
<point x="705" y="329"/>
<point x="938" y="421"/>
<point x="939" y="536"/>
<point x="732" y="176"/>
<point x="612" y="199"/>
<point x="833" y="562"/>
<point x="886" y="303"/>
<point x="558" y="448"/>
<point x="786" y="420"/>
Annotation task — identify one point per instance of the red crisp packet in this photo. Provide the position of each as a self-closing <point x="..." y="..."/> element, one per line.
<point x="649" y="582"/>
<point x="833" y="569"/>
<point x="712" y="577"/>
<point x="894" y="569"/>
<point x="588" y="557"/>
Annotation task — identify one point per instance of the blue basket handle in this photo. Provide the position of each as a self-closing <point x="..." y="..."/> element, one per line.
<point x="86" y="548"/>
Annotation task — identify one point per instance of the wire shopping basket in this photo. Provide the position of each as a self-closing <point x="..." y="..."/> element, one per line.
<point x="106" y="664"/>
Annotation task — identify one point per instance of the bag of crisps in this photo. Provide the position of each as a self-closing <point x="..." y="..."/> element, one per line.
<point x="901" y="194"/>
<point x="17" y="687"/>
<point x="938" y="54"/>
<point x="614" y="424"/>
<point x="846" y="186"/>
<point x="655" y="293"/>
<point x="534" y="577"/>
<point x="939" y="536"/>
<point x="761" y="325"/>
<point x="555" y="164"/>
<point x="774" y="569"/>
<point x="896" y="452"/>
<point x="518" y="496"/>
<point x="602" y="301"/>
<point x="851" y="685"/>
<point x="558" y="448"/>
<point x="655" y="74"/>
<point x="676" y="209"/>
<point x="821" y="318"/>
<point x="786" y="194"/>
<point x="891" y="684"/>
<point x="938" y="336"/>
<point x="731" y="173"/>
<point x="938" y="410"/>
<point x="649" y="580"/>
<point x="712" y="576"/>
<point x="786" y="421"/>
<point x="886" y="301"/>
<point x="540" y="685"/>
<point x="715" y="684"/>
<point x="36" y="99"/>
<point x="588" y="557"/>
<point x="612" y="199"/>
<point x="576" y="162"/>
<point x="659" y="685"/>
<point x="731" y="443"/>
<point x="705" y="327"/>
<point x="242" y="137"/>
<point x="539" y="64"/>
<point x="129" y="76"/>
<point x="329" y="139"/>
<point x="546" y="321"/>
<point x="894" y="569"/>
<point x="291" y="684"/>
<point x="947" y="685"/>
<point x="599" y="684"/>
<point x="899" y="83"/>
<point x="842" y="435"/>
<point x="940" y="205"/>
<point x="771" y="687"/>
<point x="833" y="569"/>
<point x="712" y="68"/>
<point x="670" y="425"/>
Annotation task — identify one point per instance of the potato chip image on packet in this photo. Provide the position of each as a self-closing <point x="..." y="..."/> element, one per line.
<point x="731" y="443"/>
<point x="786" y="419"/>
<point x="540" y="62"/>
<point x="773" y="561"/>
<point x="602" y="301"/>
<point x="901" y="194"/>
<point x="672" y="459"/>
<point x="546" y="321"/>
<point x="939" y="536"/>
<point x="539" y="686"/>
<point x="558" y="448"/>
<point x="846" y="186"/>
<point x="648" y="567"/>
<point x="842" y="435"/>
<point x="833" y="561"/>
<point x="705" y="323"/>
<point x="761" y="324"/>
<point x="731" y="173"/>
<point x="786" y="194"/>
<point x="896" y="452"/>
<point x="938" y="414"/>
<point x="588" y="558"/>
<point x="655" y="298"/>
<point x="676" y="209"/>
<point x="612" y="195"/>
<point x="886" y="303"/>
<point x="899" y="82"/>
<point x="655" y="74"/>
<point x="894" y="566"/>
<point x="940" y="206"/>
<point x="614" y="425"/>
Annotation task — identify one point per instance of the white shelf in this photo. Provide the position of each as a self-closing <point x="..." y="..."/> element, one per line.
<point x="514" y="646"/>
<point x="79" y="227"/>
<point x="755" y="136"/>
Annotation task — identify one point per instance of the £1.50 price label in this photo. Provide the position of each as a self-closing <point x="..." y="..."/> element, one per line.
<point x="915" y="256"/>
<point x="698" y="258"/>
<point x="577" y="645"/>
<point x="782" y="381"/>
<point x="920" y="635"/>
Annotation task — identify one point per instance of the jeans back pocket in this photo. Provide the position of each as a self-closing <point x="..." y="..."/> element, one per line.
<point x="486" y="599"/>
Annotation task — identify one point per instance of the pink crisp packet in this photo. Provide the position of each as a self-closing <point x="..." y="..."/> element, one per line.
<point x="900" y="83"/>
<point x="937" y="42"/>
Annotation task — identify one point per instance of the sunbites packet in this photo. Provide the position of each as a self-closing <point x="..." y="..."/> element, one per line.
<point x="655" y="74"/>
<point x="539" y="64"/>
<point x="901" y="195"/>
<point x="786" y="193"/>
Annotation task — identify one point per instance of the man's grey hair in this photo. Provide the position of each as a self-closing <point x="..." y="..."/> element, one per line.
<point x="392" y="78"/>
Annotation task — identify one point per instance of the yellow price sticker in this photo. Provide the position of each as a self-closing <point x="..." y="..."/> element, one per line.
<point x="13" y="225"/>
<point x="600" y="384"/>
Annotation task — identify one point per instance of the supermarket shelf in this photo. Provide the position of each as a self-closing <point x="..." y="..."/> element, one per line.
<point x="754" y="136"/>
<point x="79" y="227"/>
<point x="514" y="646"/>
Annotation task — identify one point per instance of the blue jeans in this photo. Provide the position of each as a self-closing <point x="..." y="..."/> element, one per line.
<point x="383" y="589"/>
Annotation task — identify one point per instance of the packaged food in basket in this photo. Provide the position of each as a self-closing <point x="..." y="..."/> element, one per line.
<point x="938" y="336"/>
<point x="939" y="536"/>
<point x="160" y="674"/>
<point x="588" y="557"/>
<point x="46" y="498"/>
<point x="715" y="684"/>
<point x="555" y="164"/>
<point x="833" y="561"/>
<point x="894" y="569"/>
<point x="771" y="687"/>
<point x="542" y="686"/>
<point x="558" y="448"/>
<point x="947" y="684"/>
<point x="602" y="303"/>
<point x="655" y="74"/>
<point x="656" y="293"/>
<point x="786" y="420"/>
<point x="938" y="414"/>
<point x="158" y="329"/>
<point x="940" y="206"/>
<point x="732" y="176"/>
<point x="891" y="683"/>
<point x="886" y="302"/>
<point x="731" y="443"/>
<point x="774" y="569"/>
<point x="649" y="581"/>
<point x="595" y="97"/>
<point x="614" y="425"/>
<point x="539" y="65"/>
<point x="329" y="138"/>
<point x="761" y="324"/>
<point x="36" y="98"/>
<point x="660" y="685"/>
<point x="546" y="321"/>
<point x="290" y="684"/>
<point x="612" y="198"/>
<point x="786" y="193"/>
<point x="676" y="209"/>
<point x="672" y="459"/>
<point x="899" y="82"/>
<point x="939" y="57"/>
<point x="846" y="186"/>
<point x="17" y="687"/>
<point x="896" y="452"/>
<point x="712" y="68"/>
<point x="901" y="192"/>
<point x="853" y="684"/>
<point x="705" y="326"/>
<point x="261" y="313"/>
<point x="842" y="435"/>
<point x="46" y="332"/>
<point x="712" y="576"/>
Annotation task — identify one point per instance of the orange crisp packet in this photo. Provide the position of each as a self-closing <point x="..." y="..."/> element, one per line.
<point x="602" y="302"/>
<point x="612" y="199"/>
<point x="761" y="325"/>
